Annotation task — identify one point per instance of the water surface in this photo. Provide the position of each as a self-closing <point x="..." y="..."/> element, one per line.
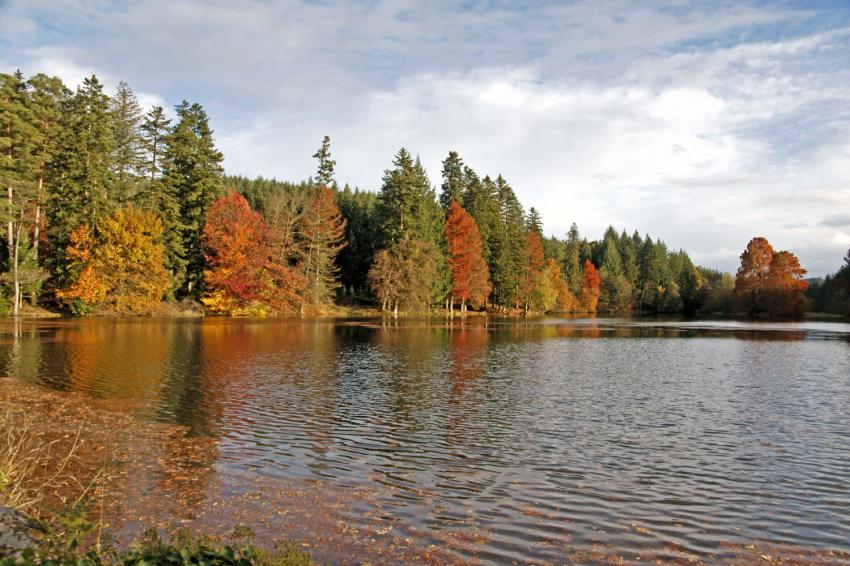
<point x="530" y="438"/>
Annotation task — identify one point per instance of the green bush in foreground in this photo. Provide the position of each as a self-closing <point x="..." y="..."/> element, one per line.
<point x="63" y="545"/>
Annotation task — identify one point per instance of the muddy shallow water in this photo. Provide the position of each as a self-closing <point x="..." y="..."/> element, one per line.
<point x="488" y="442"/>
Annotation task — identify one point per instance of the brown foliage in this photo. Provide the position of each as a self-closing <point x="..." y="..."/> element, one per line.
<point x="470" y="274"/>
<point x="770" y="282"/>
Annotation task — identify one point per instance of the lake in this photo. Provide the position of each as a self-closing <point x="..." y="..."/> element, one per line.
<point x="526" y="441"/>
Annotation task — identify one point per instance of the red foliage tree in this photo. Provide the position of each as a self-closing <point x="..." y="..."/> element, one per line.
<point x="470" y="274"/>
<point x="590" y="286"/>
<point x="242" y="274"/>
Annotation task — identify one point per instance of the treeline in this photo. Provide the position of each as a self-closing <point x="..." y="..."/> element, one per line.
<point x="109" y="208"/>
<point x="831" y="294"/>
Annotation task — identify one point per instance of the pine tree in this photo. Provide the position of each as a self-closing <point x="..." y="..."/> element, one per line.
<point x="454" y="182"/>
<point x="154" y="131"/>
<point x="572" y="263"/>
<point x="17" y="151"/>
<point x="361" y="233"/>
<point x="611" y="260"/>
<point x="406" y="203"/>
<point x="192" y="174"/>
<point x="325" y="174"/>
<point x="322" y="237"/>
<point x="47" y="98"/>
<point x="507" y="274"/>
<point x="81" y="190"/>
<point x="127" y="147"/>
<point x="534" y="222"/>
<point x="407" y="209"/>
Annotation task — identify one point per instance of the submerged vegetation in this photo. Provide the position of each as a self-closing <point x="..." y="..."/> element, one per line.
<point x="110" y="209"/>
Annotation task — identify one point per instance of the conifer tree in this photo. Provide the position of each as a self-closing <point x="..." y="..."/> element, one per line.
<point x="507" y="274"/>
<point x="83" y="177"/>
<point x="454" y="182"/>
<point x="154" y="131"/>
<point x="325" y="174"/>
<point x="17" y="151"/>
<point x="192" y="175"/>
<point x="611" y="260"/>
<point x="534" y="222"/>
<point x="572" y="263"/>
<point x="127" y="148"/>
<point x="322" y="232"/>
<point x="47" y="98"/>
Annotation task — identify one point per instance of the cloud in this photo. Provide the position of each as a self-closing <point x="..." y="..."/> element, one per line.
<point x="703" y="124"/>
<point x="837" y="221"/>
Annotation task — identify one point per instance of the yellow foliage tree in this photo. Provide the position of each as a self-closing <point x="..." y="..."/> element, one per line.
<point x="118" y="266"/>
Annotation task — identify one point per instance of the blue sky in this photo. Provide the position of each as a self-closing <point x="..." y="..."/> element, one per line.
<point x="703" y="123"/>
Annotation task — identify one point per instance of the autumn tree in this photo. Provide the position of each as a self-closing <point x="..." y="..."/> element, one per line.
<point x="242" y="276"/>
<point x="770" y="282"/>
<point x="786" y="285"/>
<point x="118" y="266"/>
<point x="590" y="287"/>
<point x="470" y="275"/>
<point x="751" y="281"/>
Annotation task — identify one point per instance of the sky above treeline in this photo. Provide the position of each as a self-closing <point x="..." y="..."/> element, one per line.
<point x="702" y="123"/>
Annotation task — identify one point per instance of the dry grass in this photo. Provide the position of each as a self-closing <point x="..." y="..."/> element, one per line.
<point x="31" y="466"/>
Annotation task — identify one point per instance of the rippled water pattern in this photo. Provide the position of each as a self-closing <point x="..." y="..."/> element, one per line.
<point x="632" y="435"/>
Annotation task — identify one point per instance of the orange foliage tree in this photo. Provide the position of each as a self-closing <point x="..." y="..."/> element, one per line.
<point x="470" y="274"/>
<point x="118" y="266"/>
<point x="243" y="277"/>
<point x="565" y="301"/>
<point x="770" y="282"/>
<point x="590" y="287"/>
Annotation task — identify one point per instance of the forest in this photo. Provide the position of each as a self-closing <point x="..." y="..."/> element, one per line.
<point x="111" y="209"/>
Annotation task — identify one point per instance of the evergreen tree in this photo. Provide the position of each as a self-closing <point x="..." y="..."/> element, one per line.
<point x="407" y="210"/>
<point x="154" y="131"/>
<point x="322" y="232"/>
<point x="83" y="178"/>
<point x="629" y="257"/>
<point x="325" y="174"/>
<point x="17" y="150"/>
<point x="454" y="181"/>
<point x="534" y="222"/>
<point x="48" y="95"/>
<point x="192" y="174"/>
<point x="406" y="203"/>
<point x="611" y="260"/>
<point x="572" y="264"/>
<point x="127" y="147"/>
<point x="506" y="276"/>
<point x="361" y="233"/>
